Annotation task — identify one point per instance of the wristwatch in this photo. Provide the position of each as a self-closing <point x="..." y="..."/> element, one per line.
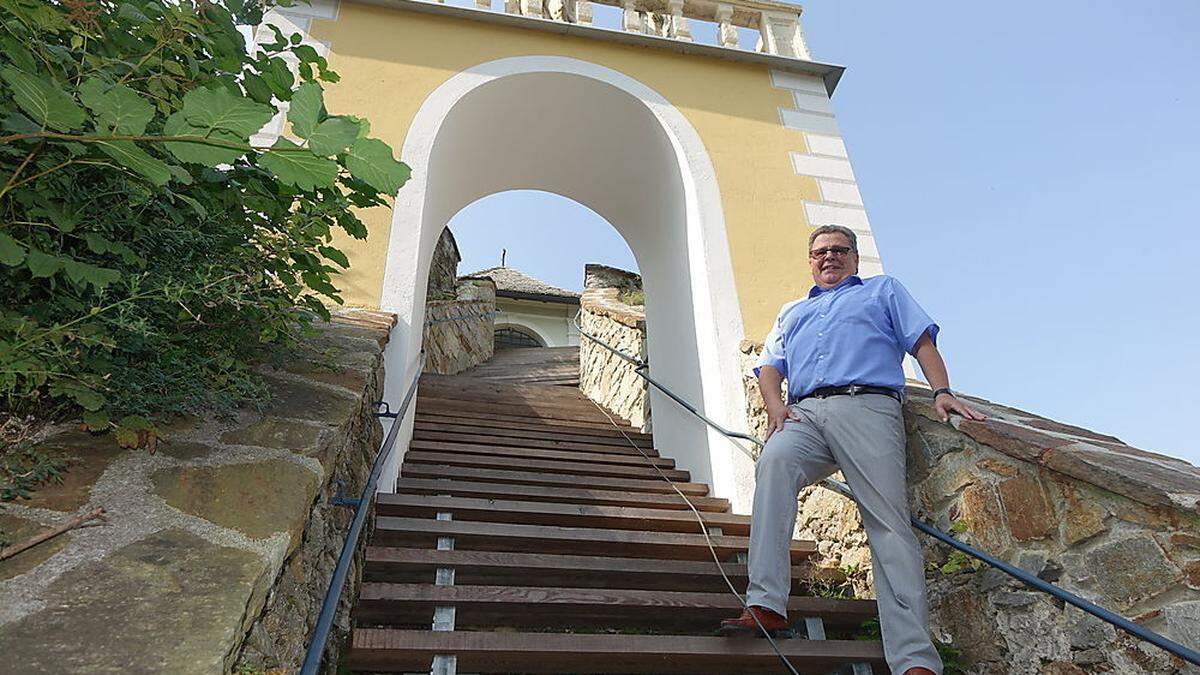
<point x="943" y="390"/>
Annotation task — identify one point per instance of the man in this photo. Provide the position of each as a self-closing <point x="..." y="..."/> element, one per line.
<point x="841" y="350"/>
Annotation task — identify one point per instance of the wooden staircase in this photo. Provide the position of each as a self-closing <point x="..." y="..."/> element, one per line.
<point x="534" y="538"/>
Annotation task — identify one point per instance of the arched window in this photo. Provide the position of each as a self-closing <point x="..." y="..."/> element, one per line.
<point x="511" y="337"/>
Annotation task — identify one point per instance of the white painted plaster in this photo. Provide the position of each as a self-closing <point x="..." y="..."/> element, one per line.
<point x="831" y="146"/>
<point x="806" y="121"/>
<point x="785" y="80"/>
<point x="818" y="103"/>
<point x="838" y="192"/>
<point x="826" y="214"/>
<point x="603" y="139"/>
<point x="822" y="167"/>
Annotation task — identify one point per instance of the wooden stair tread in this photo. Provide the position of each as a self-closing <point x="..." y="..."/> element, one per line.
<point x="461" y="438"/>
<point x="424" y="425"/>
<point x="533" y="478"/>
<point x="477" y="417"/>
<point x="418" y="565"/>
<point x="543" y="605"/>
<point x="385" y="649"/>
<point x="574" y="495"/>
<point x="470" y="535"/>
<point x="551" y="466"/>
<point x="552" y="513"/>
<point x="630" y="458"/>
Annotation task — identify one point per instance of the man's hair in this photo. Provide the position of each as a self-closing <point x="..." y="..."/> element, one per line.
<point x="834" y="229"/>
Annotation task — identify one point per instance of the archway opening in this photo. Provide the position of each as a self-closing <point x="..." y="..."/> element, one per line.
<point x="595" y="138"/>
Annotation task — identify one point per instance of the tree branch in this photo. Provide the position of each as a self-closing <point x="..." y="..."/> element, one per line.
<point x="97" y="514"/>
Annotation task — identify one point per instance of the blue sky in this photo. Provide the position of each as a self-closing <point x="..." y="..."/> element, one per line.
<point x="1032" y="173"/>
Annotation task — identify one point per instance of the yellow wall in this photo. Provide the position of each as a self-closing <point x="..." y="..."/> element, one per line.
<point x="391" y="60"/>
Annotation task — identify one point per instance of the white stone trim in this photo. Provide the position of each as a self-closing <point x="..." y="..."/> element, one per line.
<point x="827" y="161"/>
<point x="710" y="282"/>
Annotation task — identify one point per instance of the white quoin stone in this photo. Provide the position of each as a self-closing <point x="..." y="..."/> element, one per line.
<point x="780" y="34"/>
<point x="727" y="35"/>
<point x="679" y="25"/>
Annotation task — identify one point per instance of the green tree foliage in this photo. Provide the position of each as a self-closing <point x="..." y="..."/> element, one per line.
<point x="148" y="254"/>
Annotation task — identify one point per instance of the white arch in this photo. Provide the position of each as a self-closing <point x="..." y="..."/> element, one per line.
<point x="710" y="284"/>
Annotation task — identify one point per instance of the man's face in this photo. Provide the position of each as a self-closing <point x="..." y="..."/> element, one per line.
<point x="830" y="267"/>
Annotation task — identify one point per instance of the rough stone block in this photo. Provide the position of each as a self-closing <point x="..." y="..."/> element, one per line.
<point x="17" y="529"/>
<point x="88" y="456"/>
<point x="1083" y="518"/>
<point x="980" y="507"/>
<point x="256" y="499"/>
<point x="1030" y="515"/>
<point x="170" y="603"/>
<point x="1181" y="622"/>
<point x="1126" y="570"/>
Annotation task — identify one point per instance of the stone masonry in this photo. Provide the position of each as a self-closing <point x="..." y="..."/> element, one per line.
<point x="460" y="333"/>
<point x="603" y="377"/>
<point x="219" y="546"/>
<point x="1114" y="524"/>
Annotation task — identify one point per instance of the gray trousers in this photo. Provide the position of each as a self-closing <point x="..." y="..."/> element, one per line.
<point x="864" y="437"/>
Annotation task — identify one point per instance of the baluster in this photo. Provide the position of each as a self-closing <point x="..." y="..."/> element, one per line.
<point x="779" y="33"/>
<point x="727" y="35"/>
<point x="631" y="20"/>
<point x="679" y="26"/>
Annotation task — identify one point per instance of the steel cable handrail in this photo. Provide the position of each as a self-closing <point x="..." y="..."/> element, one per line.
<point x="1140" y="632"/>
<point x="316" y="648"/>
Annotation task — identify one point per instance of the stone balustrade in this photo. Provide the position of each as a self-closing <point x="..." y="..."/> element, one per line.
<point x="777" y="23"/>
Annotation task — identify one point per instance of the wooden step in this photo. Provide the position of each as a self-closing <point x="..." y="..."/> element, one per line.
<point x="412" y="565"/>
<point x="555" y="467"/>
<point x="431" y="403"/>
<point x="545" y="606"/>
<point x="477" y="536"/>
<point x="629" y="458"/>
<point x="539" y="402"/>
<point x="565" y="515"/>
<point x="549" y="479"/>
<point x="541" y="432"/>
<point x="547" y="444"/>
<point x="391" y="650"/>
<point x="571" y="495"/>
<point x="478" y="417"/>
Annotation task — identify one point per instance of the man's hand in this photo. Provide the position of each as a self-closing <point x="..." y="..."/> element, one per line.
<point x="777" y="414"/>
<point x="945" y="404"/>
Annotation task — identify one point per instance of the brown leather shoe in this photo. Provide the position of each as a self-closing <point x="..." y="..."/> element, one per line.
<point x="745" y="625"/>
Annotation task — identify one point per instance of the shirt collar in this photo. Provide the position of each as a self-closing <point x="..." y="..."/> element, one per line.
<point x="852" y="280"/>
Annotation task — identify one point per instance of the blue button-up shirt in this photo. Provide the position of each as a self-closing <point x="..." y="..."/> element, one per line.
<point x="854" y="333"/>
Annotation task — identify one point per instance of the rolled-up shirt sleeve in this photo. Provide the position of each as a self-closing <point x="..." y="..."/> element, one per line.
<point x="773" y="353"/>
<point x="909" y="321"/>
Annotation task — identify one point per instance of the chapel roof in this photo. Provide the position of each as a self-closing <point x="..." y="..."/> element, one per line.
<point x="513" y="283"/>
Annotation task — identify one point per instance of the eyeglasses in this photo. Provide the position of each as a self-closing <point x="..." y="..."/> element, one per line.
<point x="837" y="251"/>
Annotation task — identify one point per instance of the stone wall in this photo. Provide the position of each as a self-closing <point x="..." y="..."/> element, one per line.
<point x="443" y="268"/>
<point x="603" y="377"/>
<point x="1114" y="524"/>
<point x="459" y="333"/>
<point x="219" y="546"/>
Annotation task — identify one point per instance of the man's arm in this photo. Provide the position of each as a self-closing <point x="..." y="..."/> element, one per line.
<point x="770" y="382"/>
<point x="934" y="369"/>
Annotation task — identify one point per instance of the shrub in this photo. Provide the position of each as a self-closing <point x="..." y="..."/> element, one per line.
<point x="148" y="254"/>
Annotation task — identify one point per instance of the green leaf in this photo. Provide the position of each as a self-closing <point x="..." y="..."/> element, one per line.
<point x="96" y="420"/>
<point x="43" y="100"/>
<point x="120" y="108"/>
<point x="42" y="265"/>
<point x="335" y="255"/>
<point x="132" y="157"/>
<point x="210" y="109"/>
<point x="371" y="161"/>
<point x="257" y="88"/>
<point x="196" y="206"/>
<point x="86" y="398"/>
<point x="332" y="136"/>
<point x="296" y="166"/>
<point x="11" y="252"/>
<point x="279" y="77"/>
<point x="306" y="110"/>
<point x="200" y="153"/>
<point x="83" y="273"/>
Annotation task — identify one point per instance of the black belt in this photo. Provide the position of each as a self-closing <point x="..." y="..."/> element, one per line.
<point x="849" y="390"/>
